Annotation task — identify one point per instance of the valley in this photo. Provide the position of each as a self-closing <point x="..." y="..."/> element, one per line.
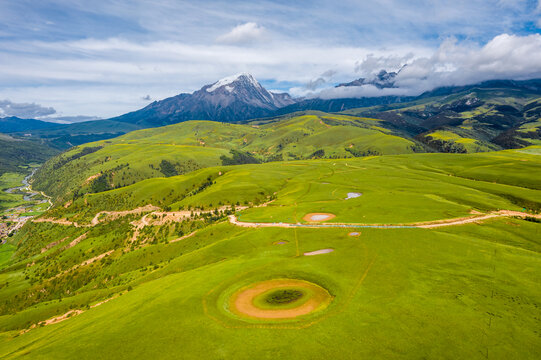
<point x="403" y="227"/>
<point x="210" y="180"/>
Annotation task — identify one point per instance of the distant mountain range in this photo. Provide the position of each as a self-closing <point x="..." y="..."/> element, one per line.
<point x="382" y="80"/>
<point x="14" y="124"/>
<point x="232" y="99"/>
<point x="492" y="113"/>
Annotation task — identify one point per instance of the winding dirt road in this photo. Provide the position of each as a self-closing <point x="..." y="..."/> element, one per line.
<point x="423" y="225"/>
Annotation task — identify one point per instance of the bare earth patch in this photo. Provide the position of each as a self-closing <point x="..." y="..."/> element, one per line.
<point x="352" y="195"/>
<point x="67" y="315"/>
<point x="90" y="178"/>
<point x="76" y="241"/>
<point x="316" y="217"/>
<point x="318" y="252"/>
<point x="242" y="302"/>
<point x="53" y="244"/>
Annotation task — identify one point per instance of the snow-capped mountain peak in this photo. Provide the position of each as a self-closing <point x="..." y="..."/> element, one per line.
<point x="233" y="98"/>
<point x="244" y="88"/>
<point x="229" y="81"/>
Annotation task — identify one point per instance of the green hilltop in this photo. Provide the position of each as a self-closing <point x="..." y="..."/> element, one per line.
<point x="476" y="119"/>
<point x="188" y="146"/>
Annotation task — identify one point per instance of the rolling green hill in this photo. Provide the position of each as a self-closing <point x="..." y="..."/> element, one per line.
<point x="480" y="118"/>
<point x="19" y="152"/>
<point x="188" y="146"/>
<point x="65" y="136"/>
<point x="17" y="159"/>
<point x="160" y="282"/>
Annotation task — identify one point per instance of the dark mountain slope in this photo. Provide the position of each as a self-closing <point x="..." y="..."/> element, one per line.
<point x="232" y="99"/>
<point x="14" y="124"/>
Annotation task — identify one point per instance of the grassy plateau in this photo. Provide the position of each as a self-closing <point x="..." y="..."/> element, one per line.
<point x="104" y="275"/>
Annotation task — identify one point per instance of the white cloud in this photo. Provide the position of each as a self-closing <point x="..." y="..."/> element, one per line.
<point x="504" y="57"/>
<point x="24" y="110"/>
<point x="115" y="72"/>
<point x="512" y="3"/>
<point x="108" y="77"/>
<point x="69" y="119"/>
<point x="372" y="64"/>
<point x="243" y="34"/>
<point x="102" y="59"/>
<point x="323" y="79"/>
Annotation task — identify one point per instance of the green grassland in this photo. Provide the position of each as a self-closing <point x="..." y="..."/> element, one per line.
<point x="474" y="120"/>
<point x="192" y="145"/>
<point x="458" y="137"/>
<point x="10" y="180"/>
<point x="440" y="186"/>
<point x="469" y="291"/>
<point x="9" y="201"/>
<point x="17" y="153"/>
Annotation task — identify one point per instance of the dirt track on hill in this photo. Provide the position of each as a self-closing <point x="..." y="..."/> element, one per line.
<point x="423" y="225"/>
<point x="116" y="214"/>
<point x="67" y="315"/>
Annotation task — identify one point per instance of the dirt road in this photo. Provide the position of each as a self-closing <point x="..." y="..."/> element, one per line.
<point x="423" y="225"/>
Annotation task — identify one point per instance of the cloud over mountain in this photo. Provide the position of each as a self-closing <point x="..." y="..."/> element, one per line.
<point x="453" y="63"/>
<point x="100" y="58"/>
<point x="24" y="110"/>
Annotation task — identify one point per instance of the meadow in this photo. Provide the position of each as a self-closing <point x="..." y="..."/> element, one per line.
<point x="192" y="145"/>
<point x="107" y="291"/>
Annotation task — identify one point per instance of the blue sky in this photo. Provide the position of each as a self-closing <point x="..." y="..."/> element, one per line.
<point x="105" y="58"/>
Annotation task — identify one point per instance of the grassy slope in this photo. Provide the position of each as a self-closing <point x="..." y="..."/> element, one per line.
<point x="16" y="157"/>
<point x="389" y="184"/>
<point x="470" y="144"/>
<point x="10" y="180"/>
<point x="426" y="294"/>
<point x="19" y="152"/>
<point x="197" y="144"/>
<point x="464" y="292"/>
<point x="474" y="133"/>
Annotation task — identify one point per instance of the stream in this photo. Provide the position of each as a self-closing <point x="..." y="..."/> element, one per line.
<point x="25" y="188"/>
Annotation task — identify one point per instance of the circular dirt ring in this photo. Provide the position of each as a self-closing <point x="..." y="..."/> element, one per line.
<point x="279" y="299"/>
<point x="317" y="217"/>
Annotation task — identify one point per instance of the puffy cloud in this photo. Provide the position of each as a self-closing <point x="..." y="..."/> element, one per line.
<point x="101" y="59"/>
<point x="373" y="64"/>
<point x="107" y="77"/>
<point x="453" y="63"/>
<point x="359" y="92"/>
<point x="24" y="110"/>
<point x="70" y="119"/>
<point x="321" y="80"/>
<point x="243" y="34"/>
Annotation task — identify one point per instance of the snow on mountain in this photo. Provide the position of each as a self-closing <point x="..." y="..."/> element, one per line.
<point x="244" y="77"/>
<point x="381" y="80"/>
<point x="233" y="98"/>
